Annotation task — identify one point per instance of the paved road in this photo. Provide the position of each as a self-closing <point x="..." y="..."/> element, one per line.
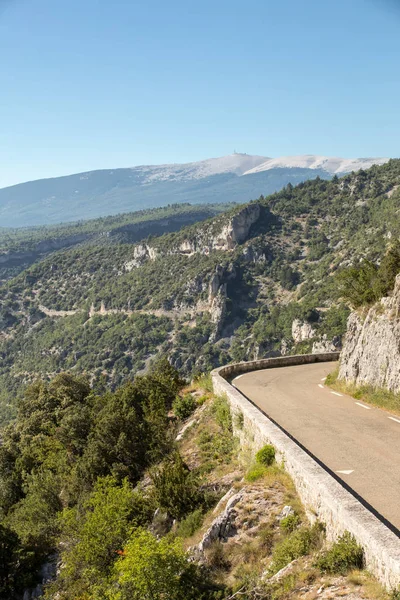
<point x="346" y="435"/>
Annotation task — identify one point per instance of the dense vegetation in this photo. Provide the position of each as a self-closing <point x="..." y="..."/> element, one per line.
<point x="97" y="497"/>
<point x="197" y="298"/>
<point x="20" y="247"/>
<point x="69" y="468"/>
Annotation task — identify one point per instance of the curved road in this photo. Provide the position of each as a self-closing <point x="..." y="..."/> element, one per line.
<point x="358" y="442"/>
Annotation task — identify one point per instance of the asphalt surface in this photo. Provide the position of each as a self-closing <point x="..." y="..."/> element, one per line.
<point x="344" y="434"/>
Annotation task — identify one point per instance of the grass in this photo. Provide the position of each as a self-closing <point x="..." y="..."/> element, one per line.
<point x="204" y="382"/>
<point x="367" y="393"/>
<point x="256" y="472"/>
<point x="370" y="587"/>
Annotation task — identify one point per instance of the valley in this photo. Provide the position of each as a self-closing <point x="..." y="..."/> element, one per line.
<point x="257" y="280"/>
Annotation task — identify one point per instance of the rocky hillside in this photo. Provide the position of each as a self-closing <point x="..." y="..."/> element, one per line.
<point x="371" y="352"/>
<point x="21" y="247"/>
<point x="259" y="280"/>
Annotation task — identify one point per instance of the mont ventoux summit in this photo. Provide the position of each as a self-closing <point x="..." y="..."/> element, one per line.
<point x="234" y="178"/>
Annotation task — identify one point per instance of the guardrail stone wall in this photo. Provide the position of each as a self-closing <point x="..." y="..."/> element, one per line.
<point x="323" y="496"/>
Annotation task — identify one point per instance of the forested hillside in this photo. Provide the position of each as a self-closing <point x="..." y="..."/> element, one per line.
<point x="118" y="496"/>
<point x="21" y="247"/>
<point x="258" y="280"/>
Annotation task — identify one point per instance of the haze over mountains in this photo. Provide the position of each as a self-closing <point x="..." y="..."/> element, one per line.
<point x="233" y="178"/>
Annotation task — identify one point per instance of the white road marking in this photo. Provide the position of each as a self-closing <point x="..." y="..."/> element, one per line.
<point x="363" y="406"/>
<point x="393" y="419"/>
<point x="321" y="386"/>
<point x="323" y="379"/>
<point x="337" y="394"/>
<point x="348" y="472"/>
<point x="239" y="376"/>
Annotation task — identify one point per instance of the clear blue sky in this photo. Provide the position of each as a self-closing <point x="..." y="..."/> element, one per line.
<point x="89" y="84"/>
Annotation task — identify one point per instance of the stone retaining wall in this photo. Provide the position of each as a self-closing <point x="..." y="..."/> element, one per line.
<point x="323" y="496"/>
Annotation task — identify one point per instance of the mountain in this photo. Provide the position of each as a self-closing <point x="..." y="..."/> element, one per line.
<point x="233" y="178"/>
<point x="332" y="165"/>
<point x="257" y="280"/>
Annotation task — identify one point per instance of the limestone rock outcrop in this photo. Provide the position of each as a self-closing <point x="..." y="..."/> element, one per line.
<point x="223" y="526"/>
<point x="324" y="344"/>
<point x="371" y="351"/>
<point x="224" y="235"/>
<point x="217" y="297"/>
<point x="301" y="331"/>
<point x="141" y="253"/>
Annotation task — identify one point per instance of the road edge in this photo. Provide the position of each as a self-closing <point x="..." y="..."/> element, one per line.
<point x="324" y="497"/>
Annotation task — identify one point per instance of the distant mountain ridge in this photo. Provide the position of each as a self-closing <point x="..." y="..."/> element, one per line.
<point x="233" y="178"/>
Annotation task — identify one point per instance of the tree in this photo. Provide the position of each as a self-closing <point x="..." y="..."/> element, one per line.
<point x="176" y="487"/>
<point x="356" y="284"/>
<point x="100" y="529"/>
<point x="151" y="569"/>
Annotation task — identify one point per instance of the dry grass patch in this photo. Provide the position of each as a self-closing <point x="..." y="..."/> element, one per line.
<point x="367" y="393"/>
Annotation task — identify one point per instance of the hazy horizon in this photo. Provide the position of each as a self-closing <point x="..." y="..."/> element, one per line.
<point x="99" y="85"/>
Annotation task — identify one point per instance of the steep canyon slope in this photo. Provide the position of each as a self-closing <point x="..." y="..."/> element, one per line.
<point x="257" y="280"/>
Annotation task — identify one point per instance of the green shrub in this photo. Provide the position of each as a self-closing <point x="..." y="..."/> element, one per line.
<point x="297" y="544"/>
<point x="290" y="523"/>
<point x="255" y="472"/>
<point x="183" y="406"/>
<point x="200" y="401"/>
<point x="266" y="455"/>
<point x="190" y="524"/>
<point x="395" y="595"/>
<point x="152" y="569"/>
<point x="176" y="488"/>
<point x="222" y="413"/>
<point x="239" y="419"/>
<point x="344" y="555"/>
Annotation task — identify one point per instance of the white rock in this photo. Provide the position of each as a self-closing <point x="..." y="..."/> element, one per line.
<point x="371" y="350"/>
<point x="301" y="331"/>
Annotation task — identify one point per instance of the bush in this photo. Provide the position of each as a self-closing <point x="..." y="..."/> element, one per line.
<point x="183" y="406"/>
<point x="297" y="544"/>
<point x="344" y="555"/>
<point x="255" y="472"/>
<point x="266" y="455"/>
<point x="222" y="413"/>
<point x="192" y="523"/>
<point x="290" y="523"/>
<point x="151" y="569"/>
<point x="176" y="488"/>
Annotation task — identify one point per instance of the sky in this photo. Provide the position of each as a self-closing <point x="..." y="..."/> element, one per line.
<point x="103" y="84"/>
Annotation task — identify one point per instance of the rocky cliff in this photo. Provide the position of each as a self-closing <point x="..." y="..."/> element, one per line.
<point x="222" y="234"/>
<point x="371" y="352"/>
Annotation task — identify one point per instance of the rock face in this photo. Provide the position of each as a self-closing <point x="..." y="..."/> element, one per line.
<point x="224" y="525"/>
<point x="301" y="331"/>
<point x="371" y="351"/>
<point x="237" y="229"/>
<point x="208" y="238"/>
<point x="324" y="344"/>
<point x="141" y="253"/>
<point x="217" y="297"/>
